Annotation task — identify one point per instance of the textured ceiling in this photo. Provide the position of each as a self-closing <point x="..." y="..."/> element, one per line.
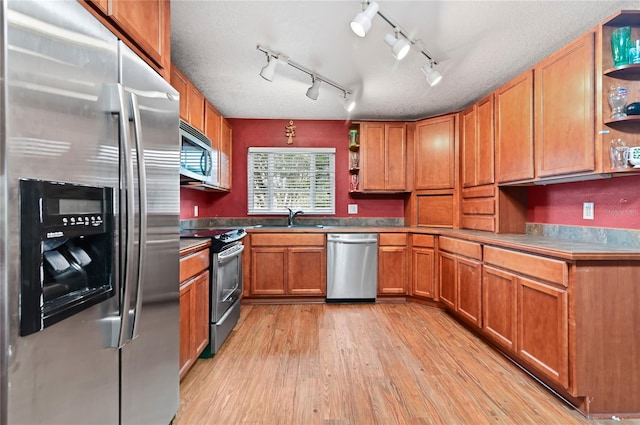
<point x="479" y="45"/>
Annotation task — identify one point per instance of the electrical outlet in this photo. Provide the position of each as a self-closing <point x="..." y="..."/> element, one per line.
<point x="353" y="209"/>
<point x="195" y="210"/>
<point x="587" y="211"/>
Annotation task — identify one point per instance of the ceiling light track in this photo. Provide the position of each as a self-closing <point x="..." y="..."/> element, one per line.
<point x="273" y="58"/>
<point x="361" y="24"/>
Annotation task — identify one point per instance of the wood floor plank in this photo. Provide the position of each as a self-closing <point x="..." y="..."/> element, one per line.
<point x="327" y="364"/>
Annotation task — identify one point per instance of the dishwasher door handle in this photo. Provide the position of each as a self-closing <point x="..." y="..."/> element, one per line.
<point x="353" y="241"/>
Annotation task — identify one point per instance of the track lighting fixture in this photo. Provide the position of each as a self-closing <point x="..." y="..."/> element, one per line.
<point x="268" y="72"/>
<point x="399" y="46"/>
<point x="347" y="102"/>
<point x="314" y="90"/>
<point x="433" y="76"/>
<point x="400" y="43"/>
<point x="362" y="21"/>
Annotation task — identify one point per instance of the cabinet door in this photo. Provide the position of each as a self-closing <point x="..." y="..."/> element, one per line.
<point x="392" y="270"/>
<point x="542" y="332"/>
<point x="212" y="124"/>
<point x="469" y="287"/>
<point x="514" y="129"/>
<point x="226" y="137"/>
<point x="447" y="279"/>
<point x="499" y="307"/>
<point x="268" y="271"/>
<point x="307" y="274"/>
<point x="468" y="146"/>
<point x="484" y="142"/>
<point x="186" y="336"/>
<point x="195" y="105"/>
<point x="565" y="104"/>
<point x="146" y="23"/>
<point x="200" y="311"/>
<point x="372" y="149"/>
<point x="181" y="83"/>
<point x="435" y="153"/>
<point x="395" y="156"/>
<point x="423" y="273"/>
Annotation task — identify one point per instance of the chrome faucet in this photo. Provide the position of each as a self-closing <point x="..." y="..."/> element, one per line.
<point x="293" y="215"/>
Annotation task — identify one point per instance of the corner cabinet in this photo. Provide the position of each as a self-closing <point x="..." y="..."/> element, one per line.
<point x="143" y="25"/>
<point x="383" y="156"/>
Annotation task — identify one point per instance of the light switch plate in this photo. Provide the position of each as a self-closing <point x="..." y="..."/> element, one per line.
<point x="587" y="211"/>
<point x="353" y="209"/>
<point x="195" y="210"/>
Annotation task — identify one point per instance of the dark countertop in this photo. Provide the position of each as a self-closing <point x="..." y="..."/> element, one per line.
<point x="557" y="248"/>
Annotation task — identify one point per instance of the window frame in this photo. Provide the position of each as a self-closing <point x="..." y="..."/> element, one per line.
<point x="251" y="210"/>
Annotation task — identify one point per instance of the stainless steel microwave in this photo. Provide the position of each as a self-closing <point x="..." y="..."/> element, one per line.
<point x="198" y="161"/>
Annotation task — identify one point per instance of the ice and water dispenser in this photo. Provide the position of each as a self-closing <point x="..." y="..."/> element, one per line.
<point x="67" y="251"/>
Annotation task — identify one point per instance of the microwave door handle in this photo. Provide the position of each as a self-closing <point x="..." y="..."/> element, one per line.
<point x="126" y="224"/>
<point x="142" y="197"/>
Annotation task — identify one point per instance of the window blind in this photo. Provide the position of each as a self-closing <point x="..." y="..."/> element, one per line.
<point x="296" y="178"/>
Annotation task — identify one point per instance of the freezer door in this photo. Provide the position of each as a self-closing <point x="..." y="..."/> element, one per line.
<point x="150" y="359"/>
<point x="58" y="59"/>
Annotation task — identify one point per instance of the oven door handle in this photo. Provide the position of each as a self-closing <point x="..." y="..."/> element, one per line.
<point x="224" y="257"/>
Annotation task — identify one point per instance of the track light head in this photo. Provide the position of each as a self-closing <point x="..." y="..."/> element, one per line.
<point x="361" y="24"/>
<point x="269" y="70"/>
<point x="433" y="76"/>
<point x="348" y="103"/>
<point x="314" y="90"/>
<point x="399" y="46"/>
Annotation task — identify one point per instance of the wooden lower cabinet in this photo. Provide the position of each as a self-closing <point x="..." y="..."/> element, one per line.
<point x="288" y="264"/>
<point x="423" y="267"/>
<point x="194" y="307"/>
<point x="499" y="307"/>
<point x="392" y="264"/>
<point x="542" y="332"/>
<point x="460" y="269"/>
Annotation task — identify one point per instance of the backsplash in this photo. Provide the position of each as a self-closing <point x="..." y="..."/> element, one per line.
<point x="204" y="223"/>
<point x="618" y="237"/>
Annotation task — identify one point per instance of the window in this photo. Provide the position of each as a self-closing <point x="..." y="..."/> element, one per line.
<point x="296" y="178"/>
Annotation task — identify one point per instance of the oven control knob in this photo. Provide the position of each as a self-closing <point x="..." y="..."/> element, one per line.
<point x="224" y="237"/>
<point x="241" y="231"/>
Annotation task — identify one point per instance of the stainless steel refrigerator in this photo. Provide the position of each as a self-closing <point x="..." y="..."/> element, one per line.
<point x="89" y="218"/>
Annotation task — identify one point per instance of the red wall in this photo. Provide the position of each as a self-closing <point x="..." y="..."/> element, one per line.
<point x="252" y="132"/>
<point x="616" y="203"/>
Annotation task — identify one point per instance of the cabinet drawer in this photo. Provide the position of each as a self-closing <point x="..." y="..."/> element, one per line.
<point x="460" y="247"/>
<point x="427" y="241"/>
<point x="193" y="264"/>
<point x="478" y="206"/>
<point x="479" y="222"/>
<point x="486" y="191"/>
<point x="393" y="239"/>
<point x="554" y="271"/>
<point x="287" y="239"/>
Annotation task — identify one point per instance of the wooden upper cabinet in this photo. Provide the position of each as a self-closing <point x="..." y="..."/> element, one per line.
<point x="514" y="129"/>
<point x="212" y="129"/>
<point x="383" y="149"/>
<point x="477" y="144"/>
<point x="180" y="82"/>
<point x="195" y="107"/>
<point x="435" y="153"/>
<point x="226" y="139"/>
<point x="565" y="110"/>
<point x="143" y="24"/>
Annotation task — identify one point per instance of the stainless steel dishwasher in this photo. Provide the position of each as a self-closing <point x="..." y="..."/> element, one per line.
<point x="352" y="267"/>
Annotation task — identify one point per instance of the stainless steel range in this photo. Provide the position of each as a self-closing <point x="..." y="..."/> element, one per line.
<point x="226" y="282"/>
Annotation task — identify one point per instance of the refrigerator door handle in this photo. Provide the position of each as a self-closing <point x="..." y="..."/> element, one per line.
<point x="142" y="198"/>
<point x="127" y="211"/>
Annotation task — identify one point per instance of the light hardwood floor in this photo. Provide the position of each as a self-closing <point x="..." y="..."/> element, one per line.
<point x="362" y="364"/>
